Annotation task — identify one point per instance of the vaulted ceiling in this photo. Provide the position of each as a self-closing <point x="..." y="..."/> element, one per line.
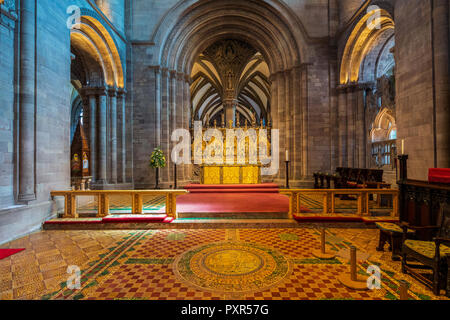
<point x="230" y="67"/>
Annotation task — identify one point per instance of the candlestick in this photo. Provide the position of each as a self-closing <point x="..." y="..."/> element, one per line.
<point x="287" y="174"/>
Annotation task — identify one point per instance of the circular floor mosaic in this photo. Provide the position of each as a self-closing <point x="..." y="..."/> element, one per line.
<point x="231" y="267"/>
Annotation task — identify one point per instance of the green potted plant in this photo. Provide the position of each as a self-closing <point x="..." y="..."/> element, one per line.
<point x="157" y="160"/>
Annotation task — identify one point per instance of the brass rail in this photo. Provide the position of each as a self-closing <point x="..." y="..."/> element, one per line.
<point x="329" y="199"/>
<point x="70" y="204"/>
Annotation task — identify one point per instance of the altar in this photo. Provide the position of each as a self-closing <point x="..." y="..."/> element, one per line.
<point x="230" y="174"/>
<point x="245" y="164"/>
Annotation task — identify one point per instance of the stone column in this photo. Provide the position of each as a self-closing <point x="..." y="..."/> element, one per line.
<point x="121" y="136"/>
<point x="93" y="134"/>
<point x="273" y="110"/>
<point x="351" y="123"/>
<point x="297" y="125"/>
<point x="361" y="133"/>
<point x="288" y="120"/>
<point x="180" y="117"/>
<point x="187" y="119"/>
<point x="282" y="124"/>
<point x="230" y="111"/>
<point x="158" y="106"/>
<point x="165" y="121"/>
<point x="342" y="121"/>
<point x="112" y="94"/>
<point x="129" y="148"/>
<point x="102" y="139"/>
<point x="27" y="102"/>
<point x="305" y="119"/>
<point x="334" y="123"/>
<point x="172" y="122"/>
<point x="441" y="82"/>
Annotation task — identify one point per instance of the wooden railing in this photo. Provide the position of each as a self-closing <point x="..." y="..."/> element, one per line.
<point x="70" y="206"/>
<point x="329" y="199"/>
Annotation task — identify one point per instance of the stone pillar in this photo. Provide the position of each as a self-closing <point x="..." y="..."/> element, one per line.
<point x="288" y="112"/>
<point x="129" y="148"/>
<point x="441" y="82"/>
<point x="93" y="134"/>
<point x="281" y="79"/>
<point x="230" y="111"/>
<point x="351" y="122"/>
<point x="112" y="94"/>
<point x="180" y="117"/>
<point x="158" y="106"/>
<point x="305" y="119"/>
<point x="342" y="120"/>
<point x="274" y="108"/>
<point x="165" y="122"/>
<point x="297" y="125"/>
<point x="121" y="136"/>
<point x="334" y="109"/>
<point x="102" y="139"/>
<point x="172" y="122"/>
<point x="187" y="119"/>
<point x="27" y="102"/>
<point x="361" y="134"/>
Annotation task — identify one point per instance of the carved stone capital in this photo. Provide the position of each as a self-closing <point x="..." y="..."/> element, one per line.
<point x="164" y="72"/>
<point x="173" y="74"/>
<point x="180" y="76"/>
<point x="121" y="92"/>
<point x="93" y="91"/>
<point x="156" y="69"/>
<point x="112" y="92"/>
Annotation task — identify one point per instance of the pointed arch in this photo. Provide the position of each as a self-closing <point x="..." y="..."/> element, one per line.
<point x="360" y="42"/>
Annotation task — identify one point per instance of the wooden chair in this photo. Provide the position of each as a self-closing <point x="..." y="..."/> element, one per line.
<point x="434" y="255"/>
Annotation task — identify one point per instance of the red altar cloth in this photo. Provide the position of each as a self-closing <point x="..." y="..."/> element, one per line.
<point x="439" y="175"/>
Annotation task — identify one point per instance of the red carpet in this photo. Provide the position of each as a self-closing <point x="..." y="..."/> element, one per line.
<point x="4" y="253"/>
<point x="77" y="221"/>
<point x="232" y="202"/>
<point x="118" y="218"/>
<point x="233" y="188"/>
<point x="255" y="198"/>
<point x="135" y="218"/>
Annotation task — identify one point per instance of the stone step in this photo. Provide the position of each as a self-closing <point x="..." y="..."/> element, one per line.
<point x="235" y="215"/>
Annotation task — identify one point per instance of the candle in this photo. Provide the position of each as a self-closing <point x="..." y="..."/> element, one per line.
<point x="287" y="155"/>
<point x="403" y="146"/>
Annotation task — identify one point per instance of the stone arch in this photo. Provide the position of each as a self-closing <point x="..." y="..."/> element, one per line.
<point x="362" y="40"/>
<point x="383" y="125"/>
<point x="99" y="51"/>
<point x="270" y="28"/>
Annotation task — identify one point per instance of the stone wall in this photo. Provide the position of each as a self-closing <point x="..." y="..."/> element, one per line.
<point x="422" y="83"/>
<point x="8" y="18"/>
<point x="35" y="156"/>
<point x="114" y="10"/>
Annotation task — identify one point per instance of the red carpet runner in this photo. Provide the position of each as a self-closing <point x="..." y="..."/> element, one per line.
<point x="255" y="198"/>
<point x="4" y="253"/>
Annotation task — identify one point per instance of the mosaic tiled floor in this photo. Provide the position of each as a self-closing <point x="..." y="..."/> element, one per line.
<point x="272" y="264"/>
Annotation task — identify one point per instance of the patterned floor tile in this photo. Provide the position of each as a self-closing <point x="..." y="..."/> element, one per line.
<point x="142" y="264"/>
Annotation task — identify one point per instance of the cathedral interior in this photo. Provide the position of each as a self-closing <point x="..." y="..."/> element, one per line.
<point x="117" y="119"/>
